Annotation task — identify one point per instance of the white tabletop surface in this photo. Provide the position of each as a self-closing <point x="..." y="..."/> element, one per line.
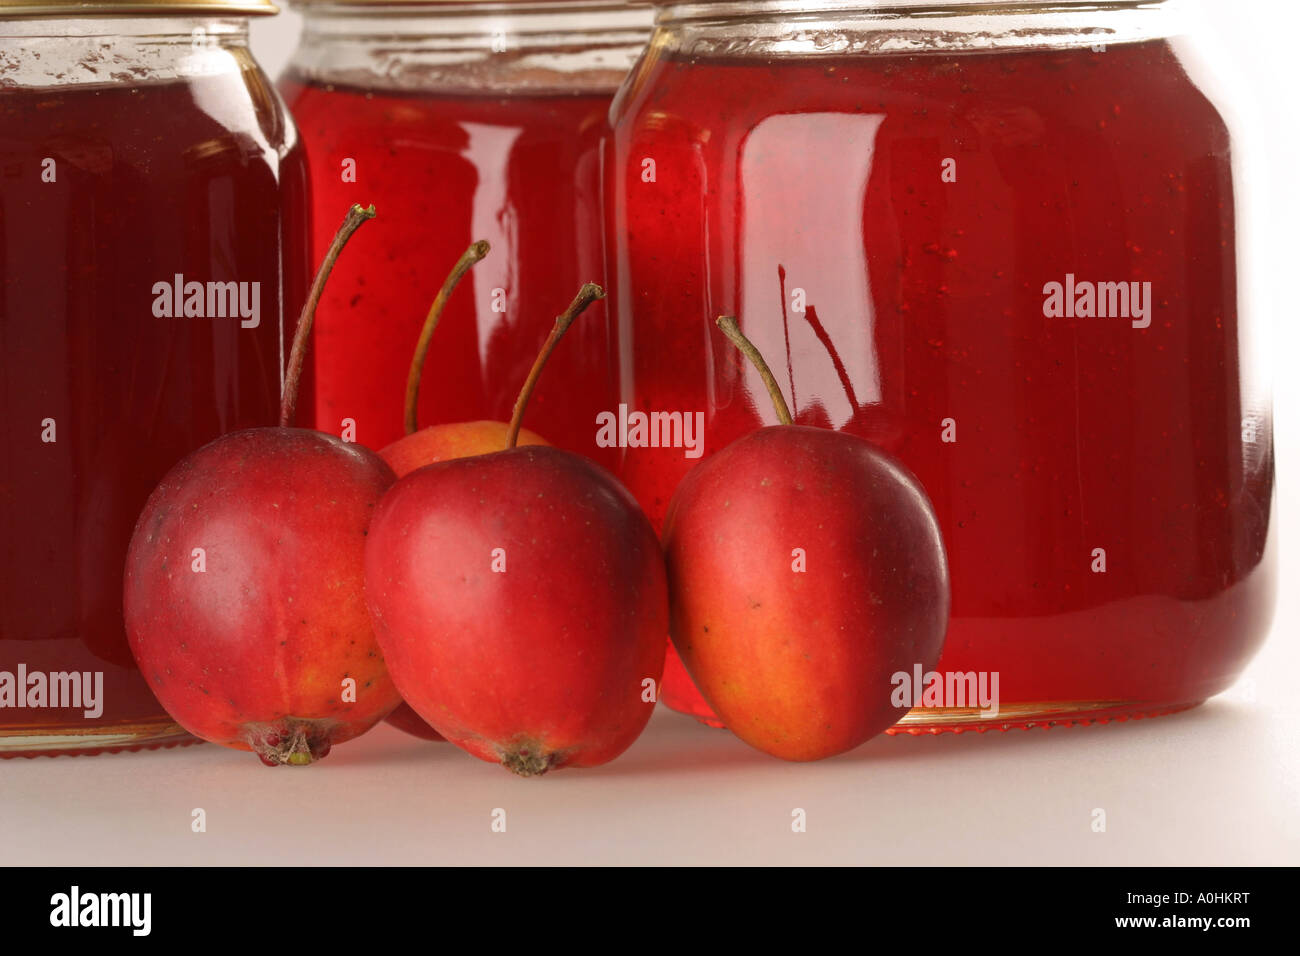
<point x="1216" y="785"/>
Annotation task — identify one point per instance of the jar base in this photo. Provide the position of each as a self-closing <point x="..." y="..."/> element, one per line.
<point x="958" y="720"/>
<point x="36" y="741"/>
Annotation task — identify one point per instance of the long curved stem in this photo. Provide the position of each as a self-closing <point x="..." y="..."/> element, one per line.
<point x="732" y="331"/>
<point x="469" y="257"/>
<point x="588" y="294"/>
<point x="298" y="353"/>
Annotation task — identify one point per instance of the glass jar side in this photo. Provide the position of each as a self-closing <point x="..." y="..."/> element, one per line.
<point x="142" y="155"/>
<point x="462" y="122"/>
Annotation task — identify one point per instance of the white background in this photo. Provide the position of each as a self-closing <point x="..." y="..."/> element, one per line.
<point x="1217" y="785"/>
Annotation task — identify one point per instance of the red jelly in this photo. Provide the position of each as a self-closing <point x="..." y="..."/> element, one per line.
<point x="152" y="196"/>
<point x="484" y="122"/>
<point x="1000" y="245"/>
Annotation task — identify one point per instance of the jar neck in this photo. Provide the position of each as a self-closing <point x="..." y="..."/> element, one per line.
<point x="484" y="47"/>
<point x="838" y="27"/>
<point x="120" y="51"/>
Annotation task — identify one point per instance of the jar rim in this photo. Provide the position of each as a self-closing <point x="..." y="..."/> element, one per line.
<point x="101" y="9"/>
<point x="898" y="7"/>
<point x="885" y="5"/>
<point x="479" y="4"/>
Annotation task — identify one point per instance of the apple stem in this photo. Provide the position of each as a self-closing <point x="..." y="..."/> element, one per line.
<point x="469" y="257"/>
<point x="588" y="294"/>
<point x="298" y="353"/>
<point x="732" y="331"/>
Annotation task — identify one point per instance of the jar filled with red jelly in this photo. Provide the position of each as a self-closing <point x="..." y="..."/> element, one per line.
<point x="152" y="246"/>
<point x="461" y="122"/>
<point x="997" y="240"/>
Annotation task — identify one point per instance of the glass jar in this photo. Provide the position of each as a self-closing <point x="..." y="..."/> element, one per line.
<point x="461" y="122"/>
<point x="998" y="240"/>
<point x="152" y="244"/>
